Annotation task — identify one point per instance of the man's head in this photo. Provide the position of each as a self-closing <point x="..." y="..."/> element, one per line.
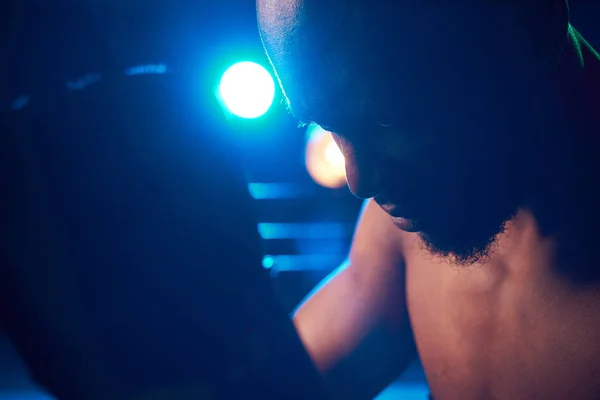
<point x="430" y="102"/>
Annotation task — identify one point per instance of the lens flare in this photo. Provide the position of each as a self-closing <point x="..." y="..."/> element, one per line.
<point x="324" y="160"/>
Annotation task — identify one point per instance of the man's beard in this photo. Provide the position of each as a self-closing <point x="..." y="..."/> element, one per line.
<point x="465" y="232"/>
<point x="465" y="195"/>
<point x="463" y="250"/>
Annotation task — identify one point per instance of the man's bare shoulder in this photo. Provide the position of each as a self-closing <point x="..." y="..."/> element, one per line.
<point x="540" y="333"/>
<point x="376" y="239"/>
<point x="358" y="316"/>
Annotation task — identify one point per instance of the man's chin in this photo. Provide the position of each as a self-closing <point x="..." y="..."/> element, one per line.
<point x="405" y="224"/>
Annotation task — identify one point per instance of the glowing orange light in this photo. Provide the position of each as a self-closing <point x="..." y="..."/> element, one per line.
<point x="324" y="160"/>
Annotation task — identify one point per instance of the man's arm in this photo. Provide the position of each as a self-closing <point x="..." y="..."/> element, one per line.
<point x="355" y="325"/>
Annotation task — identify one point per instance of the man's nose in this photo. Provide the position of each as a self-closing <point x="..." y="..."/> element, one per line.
<point x="361" y="171"/>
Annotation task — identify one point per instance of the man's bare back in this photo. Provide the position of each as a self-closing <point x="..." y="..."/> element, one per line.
<point x="509" y="328"/>
<point x="474" y="128"/>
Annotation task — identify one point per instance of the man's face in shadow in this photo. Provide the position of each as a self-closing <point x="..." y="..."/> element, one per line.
<point x="431" y="107"/>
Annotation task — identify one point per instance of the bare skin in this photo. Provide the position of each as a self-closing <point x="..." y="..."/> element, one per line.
<point x="506" y="327"/>
<point x="363" y="305"/>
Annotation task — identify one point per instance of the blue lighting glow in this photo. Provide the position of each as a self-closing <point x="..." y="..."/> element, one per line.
<point x="247" y="90"/>
<point x="146" y="69"/>
<point x="327" y="230"/>
<point x="268" y="262"/>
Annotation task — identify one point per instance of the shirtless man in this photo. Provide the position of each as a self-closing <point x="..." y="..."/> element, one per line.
<point x="472" y="128"/>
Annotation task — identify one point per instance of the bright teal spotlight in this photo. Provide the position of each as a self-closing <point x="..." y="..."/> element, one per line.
<point x="268" y="262"/>
<point x="247" y="89"/>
